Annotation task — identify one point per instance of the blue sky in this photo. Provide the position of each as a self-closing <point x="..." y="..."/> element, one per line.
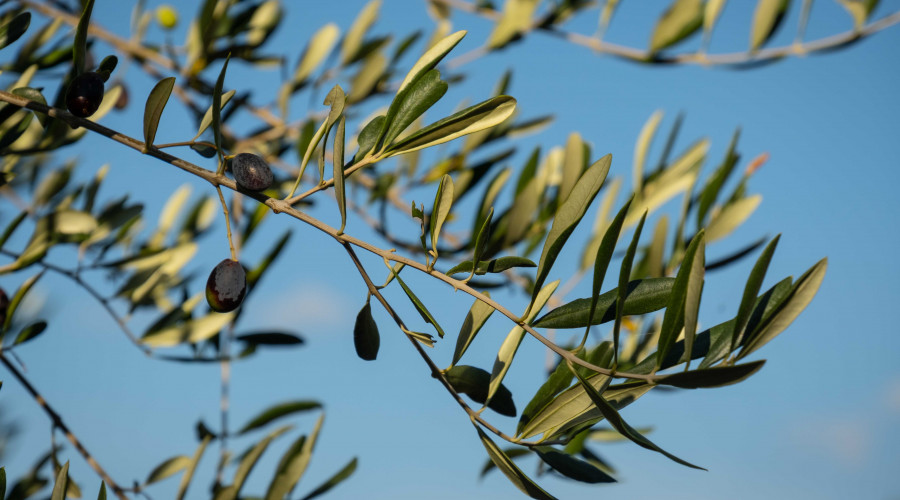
<point x="821" y="420"/>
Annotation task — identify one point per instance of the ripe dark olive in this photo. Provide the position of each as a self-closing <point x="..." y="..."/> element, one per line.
<point x="4" y="306"/>
<point x="85" y="94"/>
<point x="226" y="286"/>
<point x="251" y="172"/>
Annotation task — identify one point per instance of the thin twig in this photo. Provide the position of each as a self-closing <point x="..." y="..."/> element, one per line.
<point x="282" y="206"/>
<point x="699" y="58"/>
<point x="58" y="422"/>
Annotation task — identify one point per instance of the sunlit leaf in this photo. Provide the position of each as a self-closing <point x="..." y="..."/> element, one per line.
<point x="476" y="318"/>
<point x="249" y="461"/>
<point x="472" y="119"/>
<point x="156" y="103"/>
<point x="681" y="20"/>
<point x="318" y="48"/>
<point x="731" y="217"/>
<point x="353" y="40"/>
<point x="642" y="146"/>
<point x="568" y="216"/>
<point x="36" y="96"/>
<point x="208" y="116"/>
<point x="601" y="263"/>
<point x="860" y="10"/>
<point x="711" y="13"/>
<point x="516" y="18"/>
<point x="514" y="338"/>
<point x="557" y="382"/>
<point x="766" y="19"/>
<point x="17" y="298"/>
<point x="368" y="137"/>
<point x="189" y="472"/>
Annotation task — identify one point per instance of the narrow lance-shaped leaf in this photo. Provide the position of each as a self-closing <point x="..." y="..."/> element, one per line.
<point x="156" y="103"/>
<point x="217" y="114"/>
<point x="61" y="484"/>
<point x="475" y="319"/>
<point x="423" y="311"/>
<point x="511" y="344"/>
<point x="766" y="19"/>
<point x="102" y="494"/>
<point x="336" y="99"/>
<point x="251" y="458"/>
<point x="334" y="480"/>
<point x="557" y="382"/>
<point x="510" y="470"/>
<point x="319" y="46"/>
<point x="674" y="319"/>
<point x="15" y="28"/>
<point x="619" y="424"/>
<point x="732" y="216"/>
<point x="801" y="295"/>
<point x="17" y="299"/>
<point x="624" y="276"/>
<point x="568" y="216"/>
<point x="472" y="119"/>
<point x="293" y="464"/>
<point x="751" y="290"/>
<point x="79" y="47"/>
<point x="278" y="411"/>
<point x="481" y="241"/>
<point x="353" y="40"/>
<point x="443" y="200"/>
<point x="692" y="297"/>
<point x="189" y="473"/>
<point x="601" y="263"/>
<point x="572" y="467"/>
<point x="682" y="19"/>
<point x="338" y="163"/>
<point x="711" y="13"/>
<point x="310" y="148"/>
<point x="168" y="468"/>
<point x="365" y="334"/>
<point x="860" y="10"/>
<point x="2" y="475"/>
<point x="642" y="146"/>
<point x="368" y="137"/>
<point x="432" y="57"/>
<point x="644" y="296"/>
<point x="491" y="266"/>
<point x="410" y="103"/>
<point x="208" y="116"/>
<point x="712" y="377"/>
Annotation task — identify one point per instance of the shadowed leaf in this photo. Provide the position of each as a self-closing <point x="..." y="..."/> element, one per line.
<point x="15" y="28"/>
<point x="474" y="382"/>
<point x="492" y="266"/>
<point x="510" y="470"/>
<point x="475" y="319"/>
<point x="572" y="467"/>
<point x="644" y="296"/>
<point x="365" y="334"/>
<point x="334" y="480"/>
<point x="712" y="377"/>
<point x="168" y="468"/>
<point x="278" y="411"/>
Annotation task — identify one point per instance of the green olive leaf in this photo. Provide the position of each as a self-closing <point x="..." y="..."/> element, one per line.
<point x="156" y="103"/>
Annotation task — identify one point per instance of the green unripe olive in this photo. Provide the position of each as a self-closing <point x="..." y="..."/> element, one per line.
<point x="85" y="94"/>
<point x="4" y="306"/>
<point x="226" y="286"/>
<point x="251" y="172"/>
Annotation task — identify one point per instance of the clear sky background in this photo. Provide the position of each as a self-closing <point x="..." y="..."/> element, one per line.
<point x="821" y="420"/>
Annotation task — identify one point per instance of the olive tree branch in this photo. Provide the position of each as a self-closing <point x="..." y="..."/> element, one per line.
<point x="644" y="56"/>
<point x="58" y="422"/>
<point x="282" y="206"/>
